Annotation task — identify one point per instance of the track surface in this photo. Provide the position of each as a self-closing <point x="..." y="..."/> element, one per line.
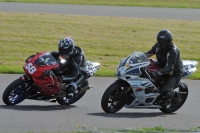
<point x="87" y="114"/>
<point x="118" y="11"/>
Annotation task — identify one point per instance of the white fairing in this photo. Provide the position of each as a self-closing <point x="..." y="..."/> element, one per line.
<point x="144" y="91"/>
<point x="129" y="70"/>
<point x="189" y="67"/>
<point x="93" y="67"/>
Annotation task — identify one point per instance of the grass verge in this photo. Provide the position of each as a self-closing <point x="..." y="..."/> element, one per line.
<point x="157" y="129"/>
<point x="103" y="39"/>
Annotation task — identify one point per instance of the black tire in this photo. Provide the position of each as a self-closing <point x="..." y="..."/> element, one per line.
<point x="72" y="100"/>
<point x="174" y="106"/>
<point x="16" y="92"/>
<point x="115" y="97"/>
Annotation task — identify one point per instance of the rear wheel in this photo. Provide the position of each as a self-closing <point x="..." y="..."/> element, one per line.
<point x="178" y="99"/>
<point x="115" y="97"/>
<point x="16" y="92"/>
<point x="70" y="100"/>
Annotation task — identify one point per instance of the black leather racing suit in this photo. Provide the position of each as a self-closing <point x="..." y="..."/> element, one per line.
<point x="171" y="63"/>
<point x="75" y="69"/>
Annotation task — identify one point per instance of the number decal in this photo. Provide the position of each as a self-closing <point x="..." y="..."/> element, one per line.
<point x="92" y="70"/>
<point x="31" y="69"/>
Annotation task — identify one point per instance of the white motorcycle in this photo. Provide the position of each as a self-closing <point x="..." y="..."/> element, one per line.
<point x="135" y="88"/>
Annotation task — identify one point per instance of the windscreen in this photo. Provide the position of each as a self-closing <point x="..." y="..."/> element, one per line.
<point x="132" y="64"/>
<point x="137" y="57"/>
<point x="45" y="59"/>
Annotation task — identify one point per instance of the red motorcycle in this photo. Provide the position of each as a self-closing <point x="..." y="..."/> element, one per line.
<point x="43" y="81"/>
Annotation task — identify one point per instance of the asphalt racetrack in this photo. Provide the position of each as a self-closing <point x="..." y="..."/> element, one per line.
<point x="86" y="114"/>
<point x="117" y="11"/>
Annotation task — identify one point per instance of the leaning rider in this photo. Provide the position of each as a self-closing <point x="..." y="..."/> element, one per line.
<point x="75" y="69"/>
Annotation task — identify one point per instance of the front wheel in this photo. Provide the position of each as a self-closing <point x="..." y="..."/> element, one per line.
<point x="179" y="98"/>
<point x="16" y="92"/>
<point x="115" y="97"/>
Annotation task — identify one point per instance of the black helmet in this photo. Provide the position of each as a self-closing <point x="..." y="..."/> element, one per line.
<point x="164" y="39"/>
<point x="66" y="47"/>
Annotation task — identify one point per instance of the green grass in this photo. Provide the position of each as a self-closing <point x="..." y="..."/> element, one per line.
<point x="151" y="3"/>
<point x="158" y="129"/>
<point x="103" y="39"/>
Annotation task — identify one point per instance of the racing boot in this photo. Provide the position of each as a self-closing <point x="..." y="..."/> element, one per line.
<point x="166" y="98"/>
<point x="71" y="89"/>
<point x="176" y="99"/>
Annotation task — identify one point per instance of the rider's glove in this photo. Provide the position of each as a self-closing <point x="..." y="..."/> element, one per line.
<point x="155" y="74"/>
<point x="55" y="55"/>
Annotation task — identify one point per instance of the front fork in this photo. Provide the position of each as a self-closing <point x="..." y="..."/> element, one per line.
<point x="25" y="77"/>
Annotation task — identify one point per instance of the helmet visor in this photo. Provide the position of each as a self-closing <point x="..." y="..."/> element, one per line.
<point x="163" y="43"/>
<point x="66" y="52"/>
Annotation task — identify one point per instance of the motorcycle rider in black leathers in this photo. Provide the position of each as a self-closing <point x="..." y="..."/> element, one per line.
<point x="75" y="69"/>
<point x="168" y="56"/>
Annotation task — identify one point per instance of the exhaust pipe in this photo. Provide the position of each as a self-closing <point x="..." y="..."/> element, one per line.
<point x="85" y="88"/>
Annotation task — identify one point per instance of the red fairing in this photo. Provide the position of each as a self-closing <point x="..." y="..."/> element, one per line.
<point x="35" y="68"/>
<point x="153" y="66"/>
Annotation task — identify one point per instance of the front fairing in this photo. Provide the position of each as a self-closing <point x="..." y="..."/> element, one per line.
<point x="132" y="64"/>
<point x="39" y="69"/>
<point x="129" y="70"/>
<point x="39" y="63"/>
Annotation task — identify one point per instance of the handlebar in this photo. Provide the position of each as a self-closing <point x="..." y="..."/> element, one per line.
<point x="47" y="73"/>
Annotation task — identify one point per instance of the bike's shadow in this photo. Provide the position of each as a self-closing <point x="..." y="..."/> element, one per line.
<point x="37" y="107"/>
<point x="131" y="114"/>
